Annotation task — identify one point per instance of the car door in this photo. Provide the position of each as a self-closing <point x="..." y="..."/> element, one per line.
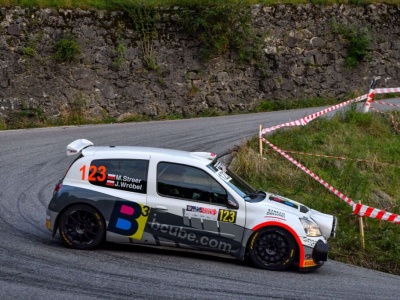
<point x="189" y="210"/>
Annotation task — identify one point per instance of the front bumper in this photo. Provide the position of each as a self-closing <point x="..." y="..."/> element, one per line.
<point x="320" y="252"/>
<point x="314" y="257"/>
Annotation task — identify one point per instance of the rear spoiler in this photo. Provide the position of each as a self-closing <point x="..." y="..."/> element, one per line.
<point x="77" y="146"/>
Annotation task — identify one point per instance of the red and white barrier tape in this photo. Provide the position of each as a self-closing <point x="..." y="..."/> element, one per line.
<point x="368" y="211"/>
<point x="387" y="90"/>
<point x="358" y="209"/>
<point x="386" y="103"/>
<point x="370" y="99"/>
<point x="340" y="158"/>
<point x="377" y="110"/>
<point x="310" y="173"/>
<point x="304" y="121"/>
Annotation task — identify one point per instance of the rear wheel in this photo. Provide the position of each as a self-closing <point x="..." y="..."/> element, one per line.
<point x="272" y="248"/>
<point x="82" y="227"/>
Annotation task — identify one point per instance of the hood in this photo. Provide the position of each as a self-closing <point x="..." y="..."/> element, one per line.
<point x="326" y="223"/>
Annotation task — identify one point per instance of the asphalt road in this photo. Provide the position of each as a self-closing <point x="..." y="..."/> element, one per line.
<point x="35" y="266"/>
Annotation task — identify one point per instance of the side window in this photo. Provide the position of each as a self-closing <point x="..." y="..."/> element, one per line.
<point x="180" y="181"/>
<point x="121" y="174"/>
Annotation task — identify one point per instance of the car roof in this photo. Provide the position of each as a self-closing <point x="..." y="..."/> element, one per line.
<point x="132" y="151"/>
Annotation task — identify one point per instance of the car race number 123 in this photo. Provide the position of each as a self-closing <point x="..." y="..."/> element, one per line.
<point x="129" y="219"/>
<point x="227" y="216"/>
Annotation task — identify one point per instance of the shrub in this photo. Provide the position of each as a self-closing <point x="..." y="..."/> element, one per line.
<point x="66" y="49"/>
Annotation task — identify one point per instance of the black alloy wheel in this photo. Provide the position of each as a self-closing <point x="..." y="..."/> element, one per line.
<point x="272" y="248"/>
<point x="82" y="227"/>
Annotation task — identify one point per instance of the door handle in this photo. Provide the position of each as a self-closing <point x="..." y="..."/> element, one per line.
<point x="160" y="208"/>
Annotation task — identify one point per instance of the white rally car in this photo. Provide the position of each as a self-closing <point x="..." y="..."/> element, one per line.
<point x="190" y="200"/>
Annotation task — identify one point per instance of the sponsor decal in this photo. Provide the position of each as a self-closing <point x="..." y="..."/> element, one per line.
<point x="187" y="236"/>
<point x="309" y="263"/>
<point x="308" y="256"/>
<point x="129" y="219"/>
<point x="227" y="216"/>
<point x="201" y="212"/>
<point x="222" y="172"/>
<point x="309" y="242"/>
<point x="283" y="201"/>
<point x="275" y="213"/>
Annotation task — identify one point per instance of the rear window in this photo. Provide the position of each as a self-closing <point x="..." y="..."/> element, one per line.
<point x="121" y="174"/>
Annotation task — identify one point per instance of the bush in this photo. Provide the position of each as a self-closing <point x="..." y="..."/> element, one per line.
<point x="66" y="49"/>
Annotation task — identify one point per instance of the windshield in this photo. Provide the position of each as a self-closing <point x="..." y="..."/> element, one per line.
<point x="235" y="182"/>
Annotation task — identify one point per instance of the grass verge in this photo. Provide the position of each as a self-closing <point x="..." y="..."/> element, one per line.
<point x="370" y="174"/>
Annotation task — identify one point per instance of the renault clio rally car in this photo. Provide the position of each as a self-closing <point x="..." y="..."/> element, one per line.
<point x="188" y="200"/>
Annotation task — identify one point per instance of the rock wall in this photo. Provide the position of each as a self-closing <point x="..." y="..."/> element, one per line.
<point x="303" y="59"/>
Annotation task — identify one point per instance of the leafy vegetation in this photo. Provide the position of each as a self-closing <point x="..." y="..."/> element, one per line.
<point x="370" y="174"/>
<point x="66" y="49"/>
<point x="113" y="4"/>
<point x="221" y="26"/>
<point x="358" y="42"/>
<point x="26" y="118"/>
<point x="268" y="105"/>
<point x="144" y="20"/>
<point x="119" y="59"/>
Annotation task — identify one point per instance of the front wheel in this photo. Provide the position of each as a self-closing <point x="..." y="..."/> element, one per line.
<point x="82" y="227"/>
<point x="272" y="248"/>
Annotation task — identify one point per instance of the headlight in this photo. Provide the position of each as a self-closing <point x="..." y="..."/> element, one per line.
<point x="310" y="228"/>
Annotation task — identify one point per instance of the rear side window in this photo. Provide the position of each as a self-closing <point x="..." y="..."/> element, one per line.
<point x="121" y="174"/>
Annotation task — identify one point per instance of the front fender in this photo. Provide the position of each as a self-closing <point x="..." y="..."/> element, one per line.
<point x="288" y="229"/>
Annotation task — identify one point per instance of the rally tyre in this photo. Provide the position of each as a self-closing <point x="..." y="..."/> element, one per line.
<point x="272" y="248"/>
<point x="82" y="227"/>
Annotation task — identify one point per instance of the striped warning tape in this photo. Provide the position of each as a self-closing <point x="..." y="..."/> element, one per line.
<point x="340" y="158"/>
<point x="387" y="90"/>
<point x="304" y="121"/>
<point x="368" y="211"/>
<point x="370" y="99"/>
<point x="387" y="103"/>
<point x="358" y="208"/>
<point x="310" y="173"/>
<point x="377" y="110"/>
<point x="395" y="124"/>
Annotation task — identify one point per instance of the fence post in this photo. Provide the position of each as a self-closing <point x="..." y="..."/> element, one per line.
<point x="260" y="139"/>
<point x="370" y="98"/>
<point x="360" y="220"/>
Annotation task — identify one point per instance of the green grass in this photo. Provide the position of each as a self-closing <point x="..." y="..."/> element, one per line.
<point x="78" y="114"/>
<point x="286" y="104"/>
<point x="114" y="4"/>
<point x="372" y="137"/>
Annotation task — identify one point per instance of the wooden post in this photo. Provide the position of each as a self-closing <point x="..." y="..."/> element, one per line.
<point x="360" y="219"/>
<point x="370" y="97"/>
<point x="260" y="140"/>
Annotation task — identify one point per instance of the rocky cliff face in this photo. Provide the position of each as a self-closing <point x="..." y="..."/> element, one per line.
<point x="304" y="57"/>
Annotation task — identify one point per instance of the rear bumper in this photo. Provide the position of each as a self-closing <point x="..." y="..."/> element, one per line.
<point x="51" y="218"/>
